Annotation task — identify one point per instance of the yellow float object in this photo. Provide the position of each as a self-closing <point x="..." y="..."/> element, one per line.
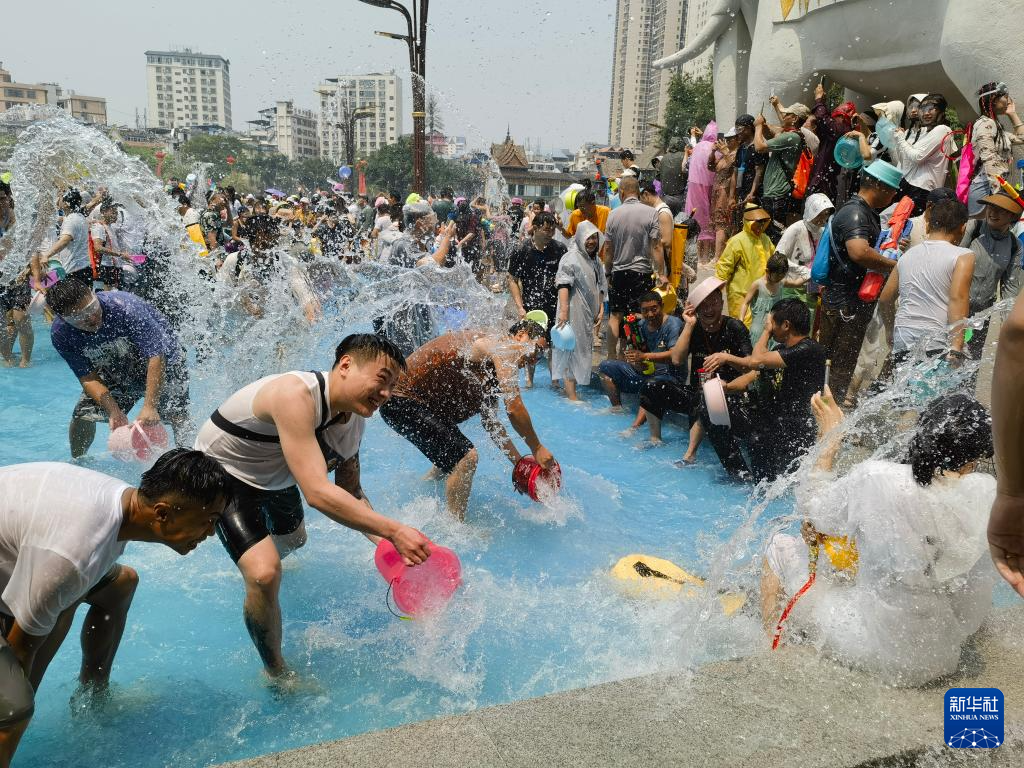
<point x="195" y="234"/>
<point x="665" y="579"/>
<point x="842" y="552"/>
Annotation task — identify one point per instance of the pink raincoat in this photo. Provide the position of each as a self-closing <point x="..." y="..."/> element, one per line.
<point x="702" y="181"/>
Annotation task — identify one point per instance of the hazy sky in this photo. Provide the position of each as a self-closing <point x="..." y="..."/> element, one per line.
<point x="544" y="68"/>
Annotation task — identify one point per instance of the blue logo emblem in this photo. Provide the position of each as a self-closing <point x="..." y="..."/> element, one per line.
<point x="974" y="718"/>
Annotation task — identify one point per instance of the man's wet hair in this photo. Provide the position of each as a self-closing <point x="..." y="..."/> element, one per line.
<point x="542" y="218"/>
<point x="533" y="329"/>
<point x="649" y="296"/>
<point x="365" y="347"/>
<point x="648" y="187"/>
<point x="953" y="431"/>
<point x="585" y="197"/>
<point x="64" y="295"/>
<point x="72" y="199"/>
<point x="540" y="201"/>
<point x="192" y="474"/>
<point x="947" y="216"/>
<point x="794" y="312"/>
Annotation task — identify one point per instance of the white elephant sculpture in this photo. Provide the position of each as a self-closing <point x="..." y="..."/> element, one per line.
<point x="877" y="49"/>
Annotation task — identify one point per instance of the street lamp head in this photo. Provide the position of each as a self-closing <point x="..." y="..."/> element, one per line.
<point x="392" y="35"/>
<point x="379" y="3"/>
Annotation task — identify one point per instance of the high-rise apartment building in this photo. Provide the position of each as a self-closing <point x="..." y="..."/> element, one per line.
<point x="341" y="96"/>
<point x="187" y="89"/>
<point x="292" y="131"/>
<point x="645" y="30"/>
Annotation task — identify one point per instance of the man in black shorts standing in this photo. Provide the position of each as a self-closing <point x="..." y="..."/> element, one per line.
<point x="283" y="434"/>
<point x="457" y="376"/>
<point x="531" y="273"/>
<point x="633" y="253"/>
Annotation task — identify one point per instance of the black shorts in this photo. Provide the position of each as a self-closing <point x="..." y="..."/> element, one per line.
<point x="439" y="440"/>
<point x="17" y="296"/>
<point x="626" y="289"/>
<point x="253" y="514"/>
<point x="174" y="399"/>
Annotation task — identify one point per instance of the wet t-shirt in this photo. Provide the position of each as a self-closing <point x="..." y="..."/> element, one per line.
<point x="748" y="160"/>
<point x="803" y="376"/>
<point x="662" y="340"/>
<point x="75" y="256"/>
<point x="132" y="332"/>
<point x="536" y="270"/>
<point x="441" y="376"/>
<point x="443" y="209"/>
<point x="856" y="220"/>
<point x="732" y="338"/>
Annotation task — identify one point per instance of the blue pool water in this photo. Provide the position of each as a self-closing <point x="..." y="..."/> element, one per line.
<point x="537" y="612"/>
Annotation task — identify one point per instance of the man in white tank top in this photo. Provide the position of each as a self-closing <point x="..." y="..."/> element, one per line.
<point x="932" y="282"/>
<point x="283" y="434"/>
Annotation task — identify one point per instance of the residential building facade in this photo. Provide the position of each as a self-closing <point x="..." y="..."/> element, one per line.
<point x="645" y="30"/>
<point x="88" y="109"/>
<point x="340" y="96"/>
<point x="187" y="88"/>
<point x="289" y="130"/>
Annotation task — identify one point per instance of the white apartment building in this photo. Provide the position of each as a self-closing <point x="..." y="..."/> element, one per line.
<point x="339" y="96"/>
<point x="291" y="130"/>
<point x="645" y="30"/>
<point x="187" y="88"/>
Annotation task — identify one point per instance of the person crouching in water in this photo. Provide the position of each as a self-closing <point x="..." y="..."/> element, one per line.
<point x="454" y="377"/>
<point x="903" y="579"/>
<point x="285" y="433"/>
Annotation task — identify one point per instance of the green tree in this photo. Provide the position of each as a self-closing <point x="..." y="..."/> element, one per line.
<point x="691" y="102"/>
<point x="215" y="150"/>
<point x="390" y="168"/>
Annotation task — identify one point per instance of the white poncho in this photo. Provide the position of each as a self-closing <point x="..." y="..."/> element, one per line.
<point x="584" y="276"/>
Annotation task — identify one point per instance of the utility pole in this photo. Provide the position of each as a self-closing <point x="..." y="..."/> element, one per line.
<point x="417" y="42"/>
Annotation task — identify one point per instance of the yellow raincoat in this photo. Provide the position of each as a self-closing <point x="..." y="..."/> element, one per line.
<point x="743" y="261"/>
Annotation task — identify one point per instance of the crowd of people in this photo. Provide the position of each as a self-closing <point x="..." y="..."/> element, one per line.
<point x="739" y="282"/>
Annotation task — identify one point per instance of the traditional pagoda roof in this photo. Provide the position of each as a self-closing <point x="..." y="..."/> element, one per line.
<point x="509" y="154"/>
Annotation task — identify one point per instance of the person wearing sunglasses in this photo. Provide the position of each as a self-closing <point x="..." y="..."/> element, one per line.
<point x="122" y="350"/>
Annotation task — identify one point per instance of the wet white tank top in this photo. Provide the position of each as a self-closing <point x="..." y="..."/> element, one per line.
<point x="261" y="463"/>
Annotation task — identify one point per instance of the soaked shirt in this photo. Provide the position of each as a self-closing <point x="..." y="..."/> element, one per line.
<point x="132" y="332"/>
<point x="442" y="377"/>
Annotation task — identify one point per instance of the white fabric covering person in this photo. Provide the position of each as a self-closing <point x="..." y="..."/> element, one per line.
<point x="922" y="583"/>
<point x="581" y="274"/>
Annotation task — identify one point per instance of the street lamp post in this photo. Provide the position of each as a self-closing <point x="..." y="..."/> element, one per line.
<point x="417" y="42"/>
<point x="348" y="127"/>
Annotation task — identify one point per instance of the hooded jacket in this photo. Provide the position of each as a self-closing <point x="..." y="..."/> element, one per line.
<point x="742" y="262"/>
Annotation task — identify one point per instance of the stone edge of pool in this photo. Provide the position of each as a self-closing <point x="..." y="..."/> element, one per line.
<point x="795" y="710"/>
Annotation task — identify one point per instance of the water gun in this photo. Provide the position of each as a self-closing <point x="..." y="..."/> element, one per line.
<point x="888" y="245"/>
<point x="635" y="339"/>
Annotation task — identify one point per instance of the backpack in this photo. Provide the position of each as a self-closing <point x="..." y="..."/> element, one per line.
<point x="823" y="255"/>
<point x="965" y="172"/>
<point x="802" y="171"/>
